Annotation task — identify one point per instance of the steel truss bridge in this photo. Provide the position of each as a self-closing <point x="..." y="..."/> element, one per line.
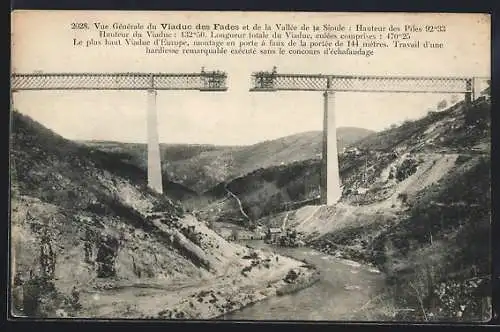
<point x="271" y="81"/>
<point x="151" y="82"/>
<point x="203" y="81"/>
<point x="263" y="81"/>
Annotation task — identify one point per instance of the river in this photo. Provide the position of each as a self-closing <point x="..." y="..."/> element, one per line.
<point x="343" y="291"/>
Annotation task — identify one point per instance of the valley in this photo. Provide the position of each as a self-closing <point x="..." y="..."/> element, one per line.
<point x="392" y="248"/>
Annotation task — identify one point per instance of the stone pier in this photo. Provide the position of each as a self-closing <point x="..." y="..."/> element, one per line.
<point x="154" y="159"/>
<point x="330" y="176"/>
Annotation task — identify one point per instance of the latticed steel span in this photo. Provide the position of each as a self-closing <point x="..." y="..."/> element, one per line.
<point x="202" y="81"/>
<point x="272" y="81"/>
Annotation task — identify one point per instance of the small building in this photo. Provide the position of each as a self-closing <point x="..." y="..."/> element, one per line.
<point x="259" y="232"/>
<point x="259" y="229"/>
<point x="273" y="233"/>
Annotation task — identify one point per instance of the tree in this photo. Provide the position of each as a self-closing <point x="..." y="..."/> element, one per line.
<point x="403" y="197"/>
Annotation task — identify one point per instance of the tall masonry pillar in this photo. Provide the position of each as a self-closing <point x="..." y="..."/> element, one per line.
<point x="154" y="160"/>
<point x="330" y="176"/>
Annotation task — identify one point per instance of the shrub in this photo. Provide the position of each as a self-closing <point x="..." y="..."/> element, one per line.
<point x="291" y="276"/>
<point x="407" y="168"/>
<point x="75" y="299"/>
<point x="403" y="197"/>
<point x="106" y="256"/>
<point x="462" y="159"/>
<point x="252" y="255"/>
<point x="245" y="270"/>
<point x="191" y="234"/>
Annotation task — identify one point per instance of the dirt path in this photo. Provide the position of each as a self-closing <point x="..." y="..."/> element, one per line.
<point x="239" y="203"/>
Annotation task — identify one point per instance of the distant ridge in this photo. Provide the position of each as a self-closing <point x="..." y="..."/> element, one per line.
<point x="200" y="167"/>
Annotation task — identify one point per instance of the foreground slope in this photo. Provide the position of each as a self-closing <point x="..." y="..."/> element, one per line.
<point x="89" y="240"/>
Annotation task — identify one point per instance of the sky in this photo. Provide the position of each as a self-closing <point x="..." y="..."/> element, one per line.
<point x="43" y="42"/>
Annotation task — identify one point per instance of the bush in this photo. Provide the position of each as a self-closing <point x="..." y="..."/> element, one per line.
<point x="245" y="270"/>
<point x="462" y="159"/>
<point x="191" y="234"/>
<point x="106" y="256"/>
<point x="407" y="168"/>
<point x="403" y="197"/>
<point x="39" y="295"/>
<point x="75" y="299"/>
<point x="291" y="276"/>
<point x="47" y="257"/>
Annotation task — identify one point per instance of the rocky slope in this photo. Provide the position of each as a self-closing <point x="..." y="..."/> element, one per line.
<point x="89" y="240"/>
<point x="413" y="197"/>
<point x="384" y="167"/>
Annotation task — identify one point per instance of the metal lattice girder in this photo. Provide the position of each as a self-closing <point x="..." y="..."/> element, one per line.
<point x="271" y="81"/>
<point x="203" y="81"/>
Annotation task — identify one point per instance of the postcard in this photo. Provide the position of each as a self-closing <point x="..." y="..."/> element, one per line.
<point x="250" y="166"/>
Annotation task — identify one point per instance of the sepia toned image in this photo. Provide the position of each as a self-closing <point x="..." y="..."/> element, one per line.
<point x="250" y="166"/>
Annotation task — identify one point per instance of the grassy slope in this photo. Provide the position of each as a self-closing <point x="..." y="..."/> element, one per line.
<point x="466" y="131"/>
<point x="451" y="131"/>
<point x="214" y="167"/>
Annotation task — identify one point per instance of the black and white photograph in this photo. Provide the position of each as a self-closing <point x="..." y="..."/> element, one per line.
<point x="250" y="166"/>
